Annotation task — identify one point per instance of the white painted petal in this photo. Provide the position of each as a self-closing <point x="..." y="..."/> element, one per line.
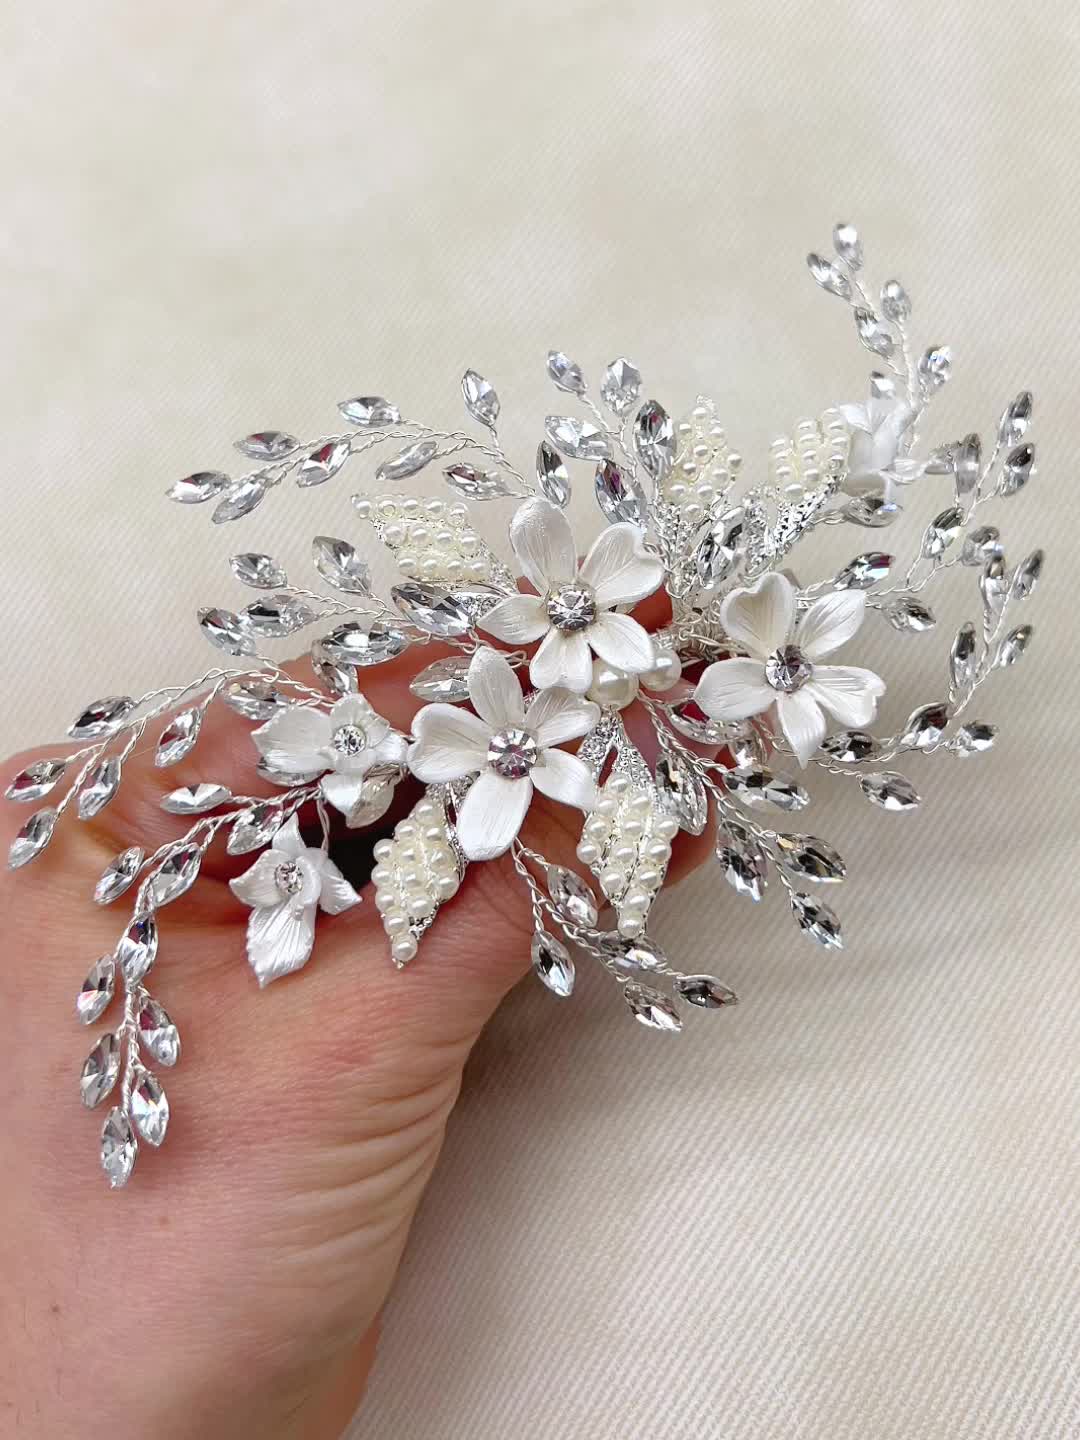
<point x="357" y="710"/>
<point x="491" y="814"/>
<point x="619" y="568"/>
<point x="802" y="721"/>
<point x="622" y="642"/>
<point x="391" y="749"/>
<point x="830" y="622"/>
<point x="565" y="778"/>
<point x="495" y="690"/>
<point x="288" y="840"/>
<point x="519" y="619"/>
<point x="734" y="690"/>
<point x="562" y="660"/>
<point x="847" y="692"/>
<point x="555" y="716"/>
<point x="337" y="894"/>
<point x="294" y="740"/>
<point x="449" y="743"/>
<point x="257" y="886"/>
<point x="856" y="416"/>
<point x="544" y="544"/>
<point x="343" y="791"/>
<point x="760" y="617"/>
<point x="279" y="939"/>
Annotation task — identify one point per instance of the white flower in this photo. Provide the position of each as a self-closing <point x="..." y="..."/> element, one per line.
<point x="303" y="743"/>
<point x="285" y="887"/>
<point x="877" y="430"/>
<point x="575" y="611"/>
<point x="782" y="669"/>
<point x="509" y="747"/>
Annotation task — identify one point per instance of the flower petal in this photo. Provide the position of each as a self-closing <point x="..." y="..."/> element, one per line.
<point x="449" y="743"/>
<point x="563" y="659"/>
<point x="848" y="692"/>
<point x="622" y="642"/>
<point x="830" y="622"/>
<point x="279" y="939"/>
<point x="391" y="749"/>
<point x="288" y="840"/>
<point x="857" y="417"/>
<point x="802" y="721"/>
<point x="519" y="619"/>
<point x="555" y="716"/>
<point x="257" y="886"/>
<point x="337" y="894"/>
<point x="565" y="778"/>
<point x="761" y="616"/>
<point x="343" y="791"/>
<point x="619" y="568"/>
<point x="734" y="690"/>
<point x="491" y="814"/>
<point x="495" y="690"/>
<point x="357" y="710"/>
<point x="544" y="544"/>
<point x="294" y="740"/>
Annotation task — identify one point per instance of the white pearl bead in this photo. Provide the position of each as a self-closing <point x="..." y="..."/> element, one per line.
<point x="446" y="885"/>
<point x="382" y="849"/>
<point x="587" y="852"/>
<point x="363" y="508"/>
<point x="394" y="533"/>
<point x="410" y="507"/>
<point x="612" y="881"/>
<point x="665" y="828"/>
<point x="665" y="672"/>
<point x="387" y="507"/>
<point x="610" y="686"/>
<point x="395" y="922"/>
<point x="381" y="875"/>
<point x="631" y="925"/>
<point x="403" y="949"/>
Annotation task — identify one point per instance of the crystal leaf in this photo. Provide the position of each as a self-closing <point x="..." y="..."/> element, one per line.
<point x="32" y="838"/>
<point x="864" y="571"/>
<point x="941" y="532"/>
<point x="721" y="547"/>
<point x="818" y="921"/>
<point x="338" y="677"/>
<point x="176" y="874"/>
<point x="810" y="858"/>
<point x="746" y="866"/>
<point x="566" y="375"/>
<point x="633" y="954"/>
<point x="895" y="304"/>
<point x="941" y="460"/>
<point x="652" y="1008"/>
<point x="340" y="565"/>
<point x="980" y="546"/>
<point x="967" y="465"/>
<point x="150" y="1109"/>
<point x="873" y="332"/>
<point x="474" y="483"/>
<point x="621" y="386"/>
<point x="254" y="829"/>
<point x="101" y="785"/>
<point x="1015" y="420"/>
<point x="254" y="699"/>
<point x="97" y="991"/>
<point x="910" y="617"/>
<point x="179" y="737"/>
<point x="829" y="276"/>
<point x="158" y="1033"/>
<point x="654" y="440"/>
<point x="225" y="630"/>
<point x="99" y="1071"/>
<point x="705" y="992"/>
<point x="102" y="717"/>
<point x="848" y="747"/>
<point x="118" y="875"/>
<point x="431" y="608"/>
<point x="1017" y="470"/>
<point x="994" y="586"/>
<point x="370" y="412"/>
<point x="322" y="463"/>
<point x="552" y="476"/>
<point x="935" y="367"/>
<point x="757" y="788"/>
<point x="847" y="244"/>
<point x="572" y="896"/>
<point x="577" y="438"/>
<point x="195" y="799"/>
<point x="268" y="445"/>
<point x="552" y="963"/>
<point x="481" y="401"/>
<point x="239" y="501"/>
<point x="963" y="660"/>
<point x="890" y="790"/>
<point x="445" y="680"/>
<point x="277" y="615"/>
<point x="194" y="489"/>
<point x="925" y="726"/>
<point x="619" y="494"/>
<point x="262" y="572"/>
<point x="408" y="461"/>
<point x="118" y="1148"/>
<point x="137" y="950"/>
<point x="872" y="512"/>
<point x="36" y="780"/>
<point x="973" y="738"/>
<point x="1013" y="646"/>
<point x="681" y="794"/>
<point x="1027" y="575"/>
<point x="689" y="719"/>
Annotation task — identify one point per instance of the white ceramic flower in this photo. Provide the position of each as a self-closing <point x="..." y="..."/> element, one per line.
<point x="574" y="612"/>
<point x="342" y="746"/>
<point x="285" y="887"/>
<point x="510" y="747"/>
<point x="782" y="667"/>
<point x="877" y="430"/>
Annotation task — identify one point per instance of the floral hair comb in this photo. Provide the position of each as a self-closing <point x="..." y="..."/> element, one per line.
<point x="536" y="657"/>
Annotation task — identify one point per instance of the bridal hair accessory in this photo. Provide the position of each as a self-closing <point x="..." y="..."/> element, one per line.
<point x="745" y="688"/>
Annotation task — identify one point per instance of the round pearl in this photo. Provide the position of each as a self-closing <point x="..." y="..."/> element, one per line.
<point x="665" y="828"/>
<point x="587" y="852"/>
<point x="403" y="949"/>
<point x="596" y="828"/>
<point x="395" y="922"/>
<point x="407" y="561"/>
<point x="631" y="924"/>
<point x="677" y="492"/>
<point x="410" y="507"/>
<point x="381" y="875"/>
<point x="610" y="686"/>
<point x="394" y="533"/>
<point x="382" y="849"/>
<point x="617" y="785"/>
<point x="435" y="508"/>
<point x="446" y="885"/>
<point x="612" y="881"/>
<point x="385" y="900"/>
<point x="363" y="508"/>
<point x="665" y="672"/>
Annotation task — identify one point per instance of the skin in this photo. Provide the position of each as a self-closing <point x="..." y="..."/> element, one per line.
<point x="243" y="1270"/>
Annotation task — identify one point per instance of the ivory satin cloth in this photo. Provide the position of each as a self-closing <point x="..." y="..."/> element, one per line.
<point x="848" y="1209"/>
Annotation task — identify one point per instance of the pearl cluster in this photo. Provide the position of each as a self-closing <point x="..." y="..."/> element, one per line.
<point x="415" y="872"/>
<point x="704" y="465"/>
<point x="626" y="843"/>
<point x="431" y="539"/>
<point x="801" y="461"/>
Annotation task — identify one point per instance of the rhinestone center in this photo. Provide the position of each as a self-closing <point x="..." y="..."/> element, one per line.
<point x="788" y="669"/>
<point x="348" y="740"/>
<point x="512" y="753"/>
<point x="571" y="607"/>
<point x="289" y="877"/>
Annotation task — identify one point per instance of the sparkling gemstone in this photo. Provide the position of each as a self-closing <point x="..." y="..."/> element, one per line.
<point x="873" y="332"/>
<point x="277" y="615"/>
<point x="481" y="399"/>
<point x="176" y="874"/>
<point x="829" y="276"/>
<point x="476" y="483"/>
<point x="446" y="680"/>
<point x="758" y="788"/>
<point x="619" y="494"/>
<point x="633" y="953"/>
<point x="408" y="461"/>
<point x="572" y="607"/>
<point x="681" y="794"/>
<point x="942" y="531"/>
<point x="925" y="726"/>
<point x="579" y="439"/>
<point x="864" y="571"/>
<point x="102" y="717"/>
<point x="254" y="829"/>
<point x="36" y="780"/>
<point x="289" y="877"/>
<point x="552" y="963"/>
<point x="818" y="921"/>
<point x="974" y="737"/>
<point x="370" y="411"/>
<point x="890" y="790"/>
<point x="811" y="858"/>
<point x="432" y="608"/>
<point x="97" y="990"/>
<point x="349" y="740"/>
<point x="512" y="753"/>
<point x="369" y="643"/>
<point x="850" y="746"/>
<point x="963" y="658"/>
<point x="1018" y="469"/>
<point x="225" y="630"/>
<point x="322" y="463"/>
<point x="178" y="738"/>
<point x="895" y="304"/>
<point x="719" y="551"/>
<point x="137" y="950"/>
<point x="652" y="1008"/>
<point x="744" y="861"/>
<point x="705" y="992"/>
<point x="194" y="489"/>
<point x="1013" y="646"/>
<point x="788" y="669"/>
<point x="118" y="1148"/>
<point x="689" y="719"/>
<point x="935" y="367"/>
<point x="654" y="440"/>
<point x="621" y="386"/>
<point x="566" y="375"/>
<point x="847" y="244"/>
<point x="267" y="445"/>
<point x="239" y="500"/>
<point x="195" y="799"/>
<point x="1016" y="419"/>
<point x="1027" y="575"/>
<point x="99" y="1071"/>
<point x="551" y="475"/>
<point x="340" y="565"/>
<point x="158" y="1033"/>
<point x="873" y="512"/>
<point x="261" y="572"/>
<point x="909" y="616"/>
<point x="32" y="838"/>
<point x="118" y="875"/>
<point x="150" y="1109"/>
<point x="101" y="785"/>
<point x="572" y="896"/>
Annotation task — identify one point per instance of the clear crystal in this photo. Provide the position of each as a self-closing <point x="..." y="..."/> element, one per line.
<point x="195" y="799"/>
<point x="994" y="585"/>
<point x="322" y="463"/>
<point x="552" y="476"/>
<point x="370" y="411"/>
<point x="262" y="572"/>
<point x="925" y="726"/>
<point x="654" y="440"/>
<point x="850" y="746"/>
<point x="1018" y="469"/>
<point x="277" y="615"/>
<point x="980" y="546"/>
<point x="102" y="717"/>
<point x="967" y="465"/>
<point x="973" y="738"/>
<point x="1027" y="574"/>
<point x="194" y="489"/>
<point x="254" y="829"/>
<point x="150" y="1109"/>
<point x="137" y="950"/>
<point x="941" y="532"/>
<point x="788" y="669"/>
<point x="99" y="1071"/>
<point x="512" y="753"/>
<point x="758" y="788"/>
<point x="340" y="565"/>
<point x="408" y="461"/>
<point x="1015" y="420"/>
<point x="864" y="571"/>
<point x="963" y="658"/>
<point x="566" y="375"/>
<point x="32" y="838"/>
<point x="239" y="500"/>
<point x="690" y="720"/>
<point x="35" y="782"/>
<point x="225" y="630"/>
<point x="101" y="785"/>
<point x="97" y="990"/>
<point x="179" y="737"/>
<point x="118" y="1148"/>
<point x="872" y="512"/>
<point x="431" y="608"/>
<point x="579" y="439"/>
<point x="445" y="680"/>
<point x="621" y="386"/>
<point x="705" y="992"/>
<point x="176" y="874"/>
<point x="268" y="445"/>
<point x="910" y="617"/>
<point x="829" y="276"/>
<point x="572" y="896"/>
<point x="935" y="367"/>
<point x="890" y="790"/>
<point x="818" y="921"/>
<point x="158" y="1033"/>
<point x="744" y="861"/>
<point x="552" y="963"/>
<point x="619" y="494"/>
<point x="722" y="547"/>
<point x="475" y="483"/>
<point x="118" y="875"/>
<point x="847" y="244"/>
<point x="895" y="304"/>
<point x="873" y="332"/>
<point x="363" y="644"/>
<point x="481" y="401"/>
<point x="571" y="607"/>
<point x="811" y="858"/>
<point x="1013" y="646"/>
<point x="348" y="740"/>
<point x="652" y="1008"/>
<point x="289" y="877"/>
<point x="254" y="699"/>
<point x="681" y="794"/>
<point x="637" y="953"/>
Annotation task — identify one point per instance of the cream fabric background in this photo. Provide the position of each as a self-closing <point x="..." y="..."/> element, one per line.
<point x="848" y="1211"/>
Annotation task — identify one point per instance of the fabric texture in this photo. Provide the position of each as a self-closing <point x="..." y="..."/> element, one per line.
<point x="848" y="1209"/>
